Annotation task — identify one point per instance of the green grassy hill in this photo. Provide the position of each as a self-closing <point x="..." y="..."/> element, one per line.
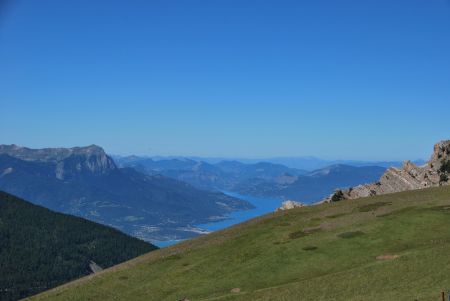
<point x="391" y="247"/>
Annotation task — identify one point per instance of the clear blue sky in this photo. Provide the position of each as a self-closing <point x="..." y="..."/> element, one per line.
<point x="335" y="79"/>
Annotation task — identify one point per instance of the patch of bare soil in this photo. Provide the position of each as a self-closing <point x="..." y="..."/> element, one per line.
<point x="387" y="257"/>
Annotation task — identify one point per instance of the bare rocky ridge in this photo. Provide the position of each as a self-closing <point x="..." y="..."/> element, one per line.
<point x="408" y="177"/>
<point x="68" y="162"/>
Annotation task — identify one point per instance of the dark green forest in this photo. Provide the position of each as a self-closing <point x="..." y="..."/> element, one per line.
<point x="40" y="249"/>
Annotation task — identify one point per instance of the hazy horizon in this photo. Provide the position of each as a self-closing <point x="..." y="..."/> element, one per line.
<point x="213" y="158"/>
<point x="225" y="157"/>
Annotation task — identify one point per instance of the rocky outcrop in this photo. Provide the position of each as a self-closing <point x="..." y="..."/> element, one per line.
<point x="95" y="268"/>
<point x="67" y="162"/>
<point x="286" y="205"/>
<point x="408" y="177"/>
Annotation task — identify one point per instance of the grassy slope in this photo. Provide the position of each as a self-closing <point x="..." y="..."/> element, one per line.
<point x="272" y="257"/>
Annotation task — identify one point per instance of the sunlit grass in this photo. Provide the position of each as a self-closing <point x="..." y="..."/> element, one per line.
<point x="325" y="252"/>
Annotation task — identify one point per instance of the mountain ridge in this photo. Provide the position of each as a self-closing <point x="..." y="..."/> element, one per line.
<point x="306" y="163"/>
<point x="261" y="179"/>
<point x="86" y="182"/>
<point x="69" y="161"/>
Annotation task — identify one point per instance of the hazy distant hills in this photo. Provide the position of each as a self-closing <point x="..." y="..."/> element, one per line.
<point x="224" y="175"/>
<point x="308" y="163"/>
<point x="315" y="185"/>
<point x="86" y="182"/>
<point x="313" y="163"/>
<point x="40" y="249"/>
<point x="258" y="179"/>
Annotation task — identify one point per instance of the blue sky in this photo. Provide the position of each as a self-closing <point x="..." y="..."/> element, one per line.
<point x="335" y="79"/>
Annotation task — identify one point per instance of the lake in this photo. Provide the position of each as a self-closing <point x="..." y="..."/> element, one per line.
<point x="262" y="206"/>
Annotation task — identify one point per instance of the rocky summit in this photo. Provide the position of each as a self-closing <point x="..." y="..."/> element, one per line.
<point x="409" y="177"/>
<point x="67" y="162"/>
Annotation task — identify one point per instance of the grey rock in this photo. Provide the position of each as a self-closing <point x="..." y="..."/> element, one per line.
<point x="408" y="177"/>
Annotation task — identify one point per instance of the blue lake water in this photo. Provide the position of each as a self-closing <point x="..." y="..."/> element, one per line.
<point x="262" y="206"/>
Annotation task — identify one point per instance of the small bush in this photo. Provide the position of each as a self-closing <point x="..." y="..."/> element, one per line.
<point x="351" y="234"/>
<point x="337" y="196"/>
<point x="309" y="248"/>
<point x="445" y="167"/>
<point x="443" y="178"/>
<point x="336" y="215"/>
<point x="297" y="234"/>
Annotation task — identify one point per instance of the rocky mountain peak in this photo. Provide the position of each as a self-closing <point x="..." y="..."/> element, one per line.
<point x="68" y="162"/>
<point x="90" y="159"/>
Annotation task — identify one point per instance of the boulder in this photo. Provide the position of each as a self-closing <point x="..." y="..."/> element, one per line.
<point x="286" y="205"/>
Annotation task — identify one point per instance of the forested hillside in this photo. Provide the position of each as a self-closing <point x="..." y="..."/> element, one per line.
<point x="40" y="249"/>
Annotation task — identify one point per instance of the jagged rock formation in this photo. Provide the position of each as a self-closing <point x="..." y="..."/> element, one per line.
<point x="289" y="205"/>
<point x="408" y="177"/>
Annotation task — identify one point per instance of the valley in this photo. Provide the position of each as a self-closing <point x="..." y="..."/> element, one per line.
<point x="262" y="205"/>
<point x="85" y="181"/>
<point x="162" y="201"/>
<point x="389" y="245"/>
<point x="262" y="179"/>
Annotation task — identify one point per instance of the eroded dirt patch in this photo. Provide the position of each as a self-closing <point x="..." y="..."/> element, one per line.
<point x="387" y="257"/>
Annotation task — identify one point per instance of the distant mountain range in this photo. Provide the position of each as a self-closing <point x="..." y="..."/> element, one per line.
<point x="40" y="249"/>
<point x="313" y="163"/>
<point x="224" y="175"/>
<point x="315" y="185"/>
<point x="308" y="163"/>
<point x="263" y="179"/>
<point x="86" y="182"/>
